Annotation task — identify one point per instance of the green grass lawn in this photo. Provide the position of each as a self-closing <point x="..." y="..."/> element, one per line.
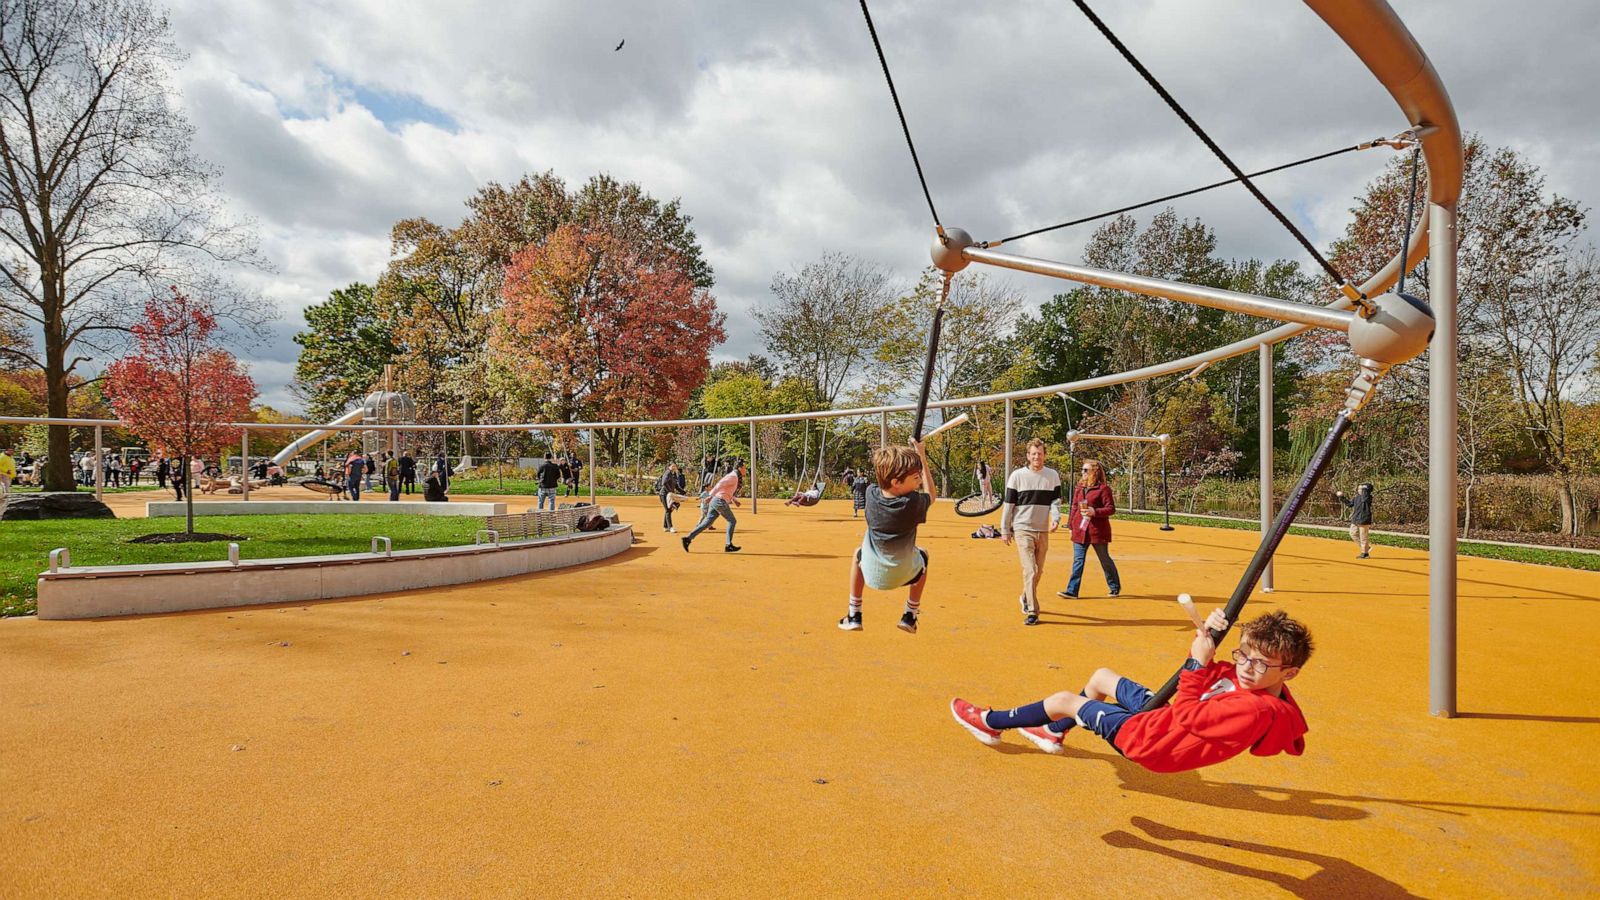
<point x="25" y="546"/>
<point x="1551" y="556"/>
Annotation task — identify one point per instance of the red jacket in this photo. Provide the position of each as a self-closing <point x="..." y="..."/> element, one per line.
<point x="1210" y="720"/>
<point x="1097" y="529"/>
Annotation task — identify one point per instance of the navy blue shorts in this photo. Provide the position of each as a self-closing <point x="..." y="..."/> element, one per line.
<point x="1106" y="719"/>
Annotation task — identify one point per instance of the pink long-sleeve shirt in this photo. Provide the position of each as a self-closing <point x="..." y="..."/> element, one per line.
<point x="727" y="487"/>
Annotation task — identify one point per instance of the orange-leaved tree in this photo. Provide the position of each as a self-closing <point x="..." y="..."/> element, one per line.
<point x="596" y="326"/>
<point x="179" y="387"/>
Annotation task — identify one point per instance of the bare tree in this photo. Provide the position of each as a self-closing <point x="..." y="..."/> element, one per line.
<point x="101" y="196"/>
<point x="823" y="321"/>
<point x="1548" y="326"/>
<point x="1487" y="417"/>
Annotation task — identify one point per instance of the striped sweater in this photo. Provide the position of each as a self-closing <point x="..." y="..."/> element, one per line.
<point x="1032" y="499"/>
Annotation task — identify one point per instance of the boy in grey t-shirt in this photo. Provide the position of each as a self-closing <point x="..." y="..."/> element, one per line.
<point x="889" y="557"/>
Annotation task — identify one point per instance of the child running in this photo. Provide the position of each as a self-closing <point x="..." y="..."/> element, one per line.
<point x="889" y="557"/>
<point x="1220" y="710"/>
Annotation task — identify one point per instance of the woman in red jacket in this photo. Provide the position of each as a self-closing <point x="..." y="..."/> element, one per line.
<point x="1089" y="520"/>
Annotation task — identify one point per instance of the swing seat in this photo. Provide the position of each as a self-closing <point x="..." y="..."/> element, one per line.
<point x="802" y="500"/>
<point x="975" y="505"/>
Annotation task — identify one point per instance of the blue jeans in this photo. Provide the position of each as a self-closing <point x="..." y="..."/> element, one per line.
<point x="717" y="507"/>
<point x="547" y="494"/>
<point x="354" y="486"/>
<point x="1101" y="550"/>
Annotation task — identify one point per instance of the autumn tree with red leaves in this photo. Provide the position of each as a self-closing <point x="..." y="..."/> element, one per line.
<point x="597" y="326"/>
<point x="179" y="387"/>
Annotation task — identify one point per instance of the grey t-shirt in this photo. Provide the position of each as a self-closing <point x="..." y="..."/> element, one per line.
<point x="889" y="556"/>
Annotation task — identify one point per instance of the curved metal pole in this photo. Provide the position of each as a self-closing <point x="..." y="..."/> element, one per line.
<point x="1216" y="298"/>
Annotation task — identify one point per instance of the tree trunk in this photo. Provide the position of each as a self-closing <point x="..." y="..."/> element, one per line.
<point x="1466" y="504"/>
<point x="58" y="467"/>
<point x="1569" y="512"/>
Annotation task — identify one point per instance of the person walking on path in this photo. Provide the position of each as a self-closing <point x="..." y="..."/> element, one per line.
<point x="858" y="482"/>
<point x="355" y="468"/>
<point x="1360" y="517"/>
<point x="408" y="472"/>
<point x="441" y="465"/>
<point x="8" y="474"/>
<point x="391" y="475"/>
<point x="549" y="476"/>
<point x="981" y="470"/>
<point x="577" y="473"/>
<point x="670" y="483"/>
<point x="1032" y="509"/>
<point x="721" y="502"/>
<point x="163" y="471"/>
<point x="1089" y="520"/>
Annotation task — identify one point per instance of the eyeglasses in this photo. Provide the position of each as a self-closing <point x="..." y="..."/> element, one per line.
<point x="1251" y="664"/>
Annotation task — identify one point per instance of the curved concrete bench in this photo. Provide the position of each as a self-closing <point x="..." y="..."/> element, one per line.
<point x="90" y="591"/>
<point x="161" y="508"/>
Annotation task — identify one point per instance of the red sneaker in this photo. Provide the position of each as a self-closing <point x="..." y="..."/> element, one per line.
<point x="1043" y="738"/>
<point x="971" y="718"/>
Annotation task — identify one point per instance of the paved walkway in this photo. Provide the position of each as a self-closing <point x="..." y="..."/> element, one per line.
<point x="666" y="724"/>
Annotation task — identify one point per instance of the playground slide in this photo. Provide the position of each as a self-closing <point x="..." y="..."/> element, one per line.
<point x="352" y="417"/>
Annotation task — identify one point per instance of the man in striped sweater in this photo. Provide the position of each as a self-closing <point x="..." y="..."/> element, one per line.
<point x="1032" y="510"/>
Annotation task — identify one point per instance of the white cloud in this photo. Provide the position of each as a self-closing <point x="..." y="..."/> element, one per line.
<point x="332" y="120"/>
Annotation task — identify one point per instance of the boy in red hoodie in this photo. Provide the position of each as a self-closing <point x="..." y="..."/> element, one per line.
<point x="1220" y="709"/>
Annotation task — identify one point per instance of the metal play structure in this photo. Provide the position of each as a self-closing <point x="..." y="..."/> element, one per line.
<point x="1384" y="328"/>
<point x="1162" y="440"/>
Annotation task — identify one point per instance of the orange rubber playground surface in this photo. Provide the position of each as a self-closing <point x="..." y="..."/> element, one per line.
<point x="663" y="724"/>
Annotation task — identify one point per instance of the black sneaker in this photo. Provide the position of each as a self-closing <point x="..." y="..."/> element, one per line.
<point x="908" y="622"/>
<point x="1362" y="556"/>
<point x="1066" y="596"/>
<point x="686" y="544"/>
<point x="850" y="622"/>
<point x="1031" y="619"/>
<point x="731" y="549"/>
<point x="1116" y="592"/>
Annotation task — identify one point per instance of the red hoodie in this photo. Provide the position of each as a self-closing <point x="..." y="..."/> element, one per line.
<point x="1210" y="720"/>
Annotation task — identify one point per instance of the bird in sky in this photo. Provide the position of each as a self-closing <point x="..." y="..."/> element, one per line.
<point x="619" y="45"/>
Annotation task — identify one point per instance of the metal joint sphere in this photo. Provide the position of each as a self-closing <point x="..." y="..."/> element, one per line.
<point x="946" y="250"/>
<point x="1397" y="331"/>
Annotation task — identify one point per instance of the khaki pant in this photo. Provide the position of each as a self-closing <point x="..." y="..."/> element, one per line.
<point x="1358" y="533"/>
<point x="1031" y="548"/>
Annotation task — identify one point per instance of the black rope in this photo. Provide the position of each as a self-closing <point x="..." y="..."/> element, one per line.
<point x="901" y="113"/>
<point x="1194" y="126"/>
<point x="1188" y="193"/>
<point x="1411" y="210"/>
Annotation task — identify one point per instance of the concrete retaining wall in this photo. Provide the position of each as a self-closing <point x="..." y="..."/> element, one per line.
<point x="161" y="508"/>
<point x="91" y="591"/>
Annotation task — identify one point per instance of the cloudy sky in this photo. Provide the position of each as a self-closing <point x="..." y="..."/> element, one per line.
<point x="332" y="119"/>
